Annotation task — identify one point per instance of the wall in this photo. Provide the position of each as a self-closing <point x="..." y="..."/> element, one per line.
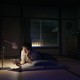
<point x="15" y="17"/>
<point x="10" y="23"/>
<point x="41" y="12"/>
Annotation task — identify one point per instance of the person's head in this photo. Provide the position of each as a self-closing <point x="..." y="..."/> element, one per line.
<point x="27" y="46"/>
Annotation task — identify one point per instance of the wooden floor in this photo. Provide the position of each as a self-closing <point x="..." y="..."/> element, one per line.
<point x="74" y="69"/>
<point x="73" y="64"/>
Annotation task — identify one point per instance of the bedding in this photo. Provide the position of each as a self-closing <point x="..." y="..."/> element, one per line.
<point x="44" y="63"/>
<point x="34" y="68"/>
<point x="40" y="65"/>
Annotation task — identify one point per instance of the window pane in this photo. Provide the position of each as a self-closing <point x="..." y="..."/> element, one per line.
<point x="35" y="32"/>
<point x="44" y="33"/>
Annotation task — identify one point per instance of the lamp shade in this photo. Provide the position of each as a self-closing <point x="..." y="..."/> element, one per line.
<point x="14" y="46"/>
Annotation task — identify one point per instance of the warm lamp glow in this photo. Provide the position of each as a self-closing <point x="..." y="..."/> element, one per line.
<point x="34" y="44"/>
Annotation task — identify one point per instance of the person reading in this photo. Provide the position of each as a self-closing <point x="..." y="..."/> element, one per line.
<point x="27" y="55"/>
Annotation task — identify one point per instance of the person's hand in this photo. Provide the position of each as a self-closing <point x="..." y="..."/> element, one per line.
<point x="18" y="64"/>
<point x="16" y="61"/>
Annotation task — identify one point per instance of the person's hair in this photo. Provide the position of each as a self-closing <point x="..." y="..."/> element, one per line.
<point x="27" y="45"/>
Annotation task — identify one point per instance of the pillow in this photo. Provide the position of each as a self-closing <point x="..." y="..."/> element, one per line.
<point x="44" y="63"/>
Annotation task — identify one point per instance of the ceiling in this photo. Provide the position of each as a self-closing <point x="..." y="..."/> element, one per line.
<point x="39" y="1"/>
<point x="42" y="2"/>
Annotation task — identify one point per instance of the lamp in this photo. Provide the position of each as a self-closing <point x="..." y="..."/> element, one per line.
<point x="14" y="46"/>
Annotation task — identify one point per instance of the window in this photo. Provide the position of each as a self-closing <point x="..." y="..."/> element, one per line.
<point x="44" y="33"/>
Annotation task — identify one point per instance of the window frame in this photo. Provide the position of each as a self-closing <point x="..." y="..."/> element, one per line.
<point x="58" y="42"/>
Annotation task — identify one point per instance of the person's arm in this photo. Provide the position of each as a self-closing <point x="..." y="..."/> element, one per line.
<point x="22" y="58"/>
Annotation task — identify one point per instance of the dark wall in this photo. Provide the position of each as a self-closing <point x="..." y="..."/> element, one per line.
<point x="15" y="25"/>
<point x="10" y="28"/>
